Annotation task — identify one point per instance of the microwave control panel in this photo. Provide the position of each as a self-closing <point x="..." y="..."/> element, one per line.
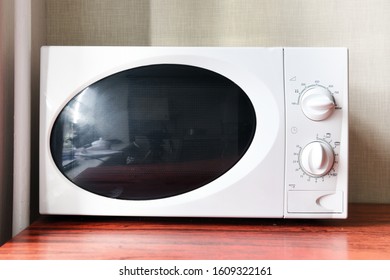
<point x="316" y="96"/>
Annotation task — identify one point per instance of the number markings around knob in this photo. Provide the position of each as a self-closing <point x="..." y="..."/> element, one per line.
<point x="317" y="158"/>
<point x="317" y="103"/>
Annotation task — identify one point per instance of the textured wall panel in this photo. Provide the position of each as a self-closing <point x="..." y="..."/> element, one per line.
<point x="98" y="22"/>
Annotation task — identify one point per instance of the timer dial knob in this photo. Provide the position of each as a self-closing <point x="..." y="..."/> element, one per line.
<point x="317" y="158"/>
<point x="317" y="103"/>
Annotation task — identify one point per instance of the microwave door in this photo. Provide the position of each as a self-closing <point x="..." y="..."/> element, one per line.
<point x="153" y="132"/>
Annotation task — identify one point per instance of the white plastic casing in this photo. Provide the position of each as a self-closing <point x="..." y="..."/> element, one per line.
<point x="323" y="74"/>
<point x="267" y="182"/>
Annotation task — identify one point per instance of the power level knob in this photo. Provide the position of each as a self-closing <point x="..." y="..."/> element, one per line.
<point x="317" y="158"/>
<point x="317" y="103"/>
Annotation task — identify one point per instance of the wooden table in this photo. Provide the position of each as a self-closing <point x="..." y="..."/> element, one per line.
<point x="364" y="235"/>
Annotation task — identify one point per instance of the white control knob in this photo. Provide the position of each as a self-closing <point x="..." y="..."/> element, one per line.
<point x="317" y="103"/>
<point x="317" y="158"/>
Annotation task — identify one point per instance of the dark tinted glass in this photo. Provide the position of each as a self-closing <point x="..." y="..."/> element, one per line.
<point x="152" y="132"/>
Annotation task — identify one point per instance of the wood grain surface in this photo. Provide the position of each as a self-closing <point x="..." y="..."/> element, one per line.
<point x="364" y="235"/>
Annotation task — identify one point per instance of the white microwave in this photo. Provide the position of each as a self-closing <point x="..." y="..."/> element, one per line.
<point x="194" y="131"/>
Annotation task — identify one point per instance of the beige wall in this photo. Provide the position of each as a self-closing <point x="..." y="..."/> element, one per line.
<point x="98" y="22"/>
<point x="361" y="25"/>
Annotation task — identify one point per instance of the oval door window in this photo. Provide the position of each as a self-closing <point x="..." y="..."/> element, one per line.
<point x="153" y="132"/>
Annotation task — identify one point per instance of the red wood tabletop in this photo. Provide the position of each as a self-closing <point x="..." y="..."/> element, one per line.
<point x="364" y="235"/>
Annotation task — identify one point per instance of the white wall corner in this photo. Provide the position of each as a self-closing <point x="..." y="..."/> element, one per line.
<point x="22" y="115"/>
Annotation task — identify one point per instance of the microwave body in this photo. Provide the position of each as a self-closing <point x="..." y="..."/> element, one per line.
<point x="194" y="131"/>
